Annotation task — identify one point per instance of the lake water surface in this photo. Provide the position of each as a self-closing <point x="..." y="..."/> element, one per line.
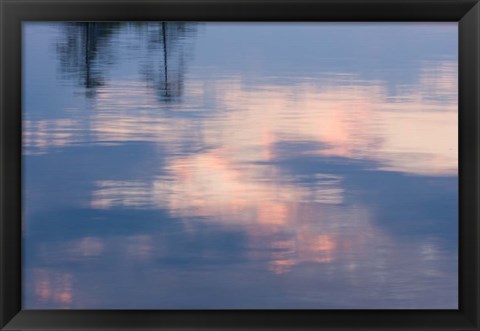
<point x="240" y="165"/>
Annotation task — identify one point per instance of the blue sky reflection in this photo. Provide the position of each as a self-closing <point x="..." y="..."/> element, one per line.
<point x="234" y="165"/>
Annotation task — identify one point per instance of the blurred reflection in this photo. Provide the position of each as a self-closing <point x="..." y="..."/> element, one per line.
<point x="290" y="188"/>
<point x="166" y="74"/>
<point x="44" y="134"/>
<point x="53" y="288"/>
<point x="85" y="53"/>
<point x="410" y="132"/>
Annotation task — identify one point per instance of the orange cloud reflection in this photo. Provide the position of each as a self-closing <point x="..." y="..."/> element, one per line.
<point x="53" y="287"/>
<point x="413" y="131"/>
<point x="232" y="179"/>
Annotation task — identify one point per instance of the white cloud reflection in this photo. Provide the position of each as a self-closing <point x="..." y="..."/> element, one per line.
<point x="223" y="150"/>
<point x="231" y="180"/>
<point x="414" y="131"/>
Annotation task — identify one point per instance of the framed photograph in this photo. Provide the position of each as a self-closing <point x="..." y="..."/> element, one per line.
<point x="227" y="165"/>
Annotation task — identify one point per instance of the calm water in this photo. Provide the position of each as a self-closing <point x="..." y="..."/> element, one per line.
<point x="222" y="165"/>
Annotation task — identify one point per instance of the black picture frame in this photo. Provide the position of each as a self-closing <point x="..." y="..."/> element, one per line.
<point x="14" y="12"/>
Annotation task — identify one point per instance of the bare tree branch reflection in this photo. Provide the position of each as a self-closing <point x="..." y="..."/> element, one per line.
<point x="85" y="52"/>
<point x="169" y="47"/>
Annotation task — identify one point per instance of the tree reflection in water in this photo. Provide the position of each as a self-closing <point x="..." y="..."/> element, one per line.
<point x="86" y="53"/>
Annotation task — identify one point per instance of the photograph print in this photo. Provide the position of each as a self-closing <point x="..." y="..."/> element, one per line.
<point x="208" y="165"/>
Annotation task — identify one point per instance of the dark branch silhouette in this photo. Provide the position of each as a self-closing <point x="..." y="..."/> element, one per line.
<point x="86" y="52"/>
